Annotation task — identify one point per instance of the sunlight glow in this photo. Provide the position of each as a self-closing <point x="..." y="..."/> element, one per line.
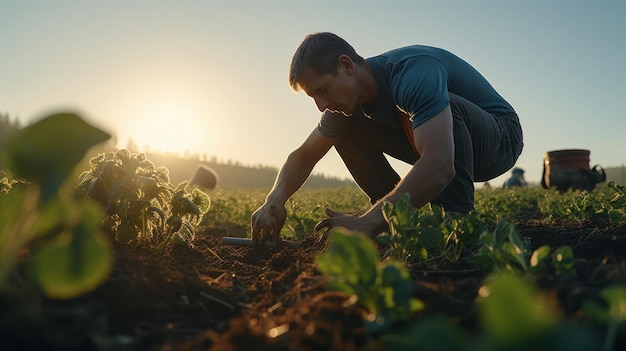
<point x="170" y="125"/>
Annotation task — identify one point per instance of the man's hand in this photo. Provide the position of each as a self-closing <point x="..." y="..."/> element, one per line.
<point x="267" y="222"/>
<point x="371" y="224"/>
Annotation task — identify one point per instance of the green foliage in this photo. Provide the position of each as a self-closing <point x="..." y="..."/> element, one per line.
<point x="302" y="220"/>
<point x="604" y="204"/>
<point x="76" y="256"/>
<point x="232" y="208"/>
<point x="513" y="322"/>
<point x="416" y="235"/>
<point x="75" y="259"/>
<point x="611" y="312"/>
<point x="504" y="204"/>
<point x="47" y="152"/>
<point x="427" y="334"/>
<point x="514" y="316"/>
<point x="383" y="289"/>
<point x="503" y="250"/>
<point x="306" y="209"/>
<point x="141" y="205"/>
<point x="617" y="210"/>
<point x="412" y="233"/>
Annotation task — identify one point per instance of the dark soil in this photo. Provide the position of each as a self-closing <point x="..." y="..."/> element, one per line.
<point x="218" y="297"/>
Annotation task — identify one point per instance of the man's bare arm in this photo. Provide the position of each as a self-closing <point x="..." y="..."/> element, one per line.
<point x="268" y="220"/>
<point x="299" y="166"/>
<point x="434" y="170"/>
<point x="431" y="174"/>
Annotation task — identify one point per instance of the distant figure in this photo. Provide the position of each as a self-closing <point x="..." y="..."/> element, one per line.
<point x="204" y="177"/>
<point x="517" y="179"/>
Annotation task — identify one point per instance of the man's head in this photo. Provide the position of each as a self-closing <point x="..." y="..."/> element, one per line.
<point x="323" y="66"/>
<point x="320" y="52"/>
<point x="518" y="172"/>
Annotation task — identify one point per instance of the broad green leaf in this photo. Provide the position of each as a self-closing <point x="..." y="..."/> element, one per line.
<point x="614" y="308"/>
<point x="203" y="201"/>
<point x="47" y="151"/>
<point x="430" y="238"/>
<point x="512" y="310"/>
<point x="539" y="255"/>
<point x="564" y="258"/>
<point x="52" y="215"/>
<point x="74" y="262"/>
<point x="351" y="257"/>
<point x="432" y="334"/>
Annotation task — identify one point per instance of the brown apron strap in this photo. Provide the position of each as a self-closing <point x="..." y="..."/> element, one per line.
<point x="408" y="129"/>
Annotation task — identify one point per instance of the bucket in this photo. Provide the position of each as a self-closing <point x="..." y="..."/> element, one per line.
<point x="205" y="177"/>
<point x="565" y="169"/>
<point x="567" y="159"/>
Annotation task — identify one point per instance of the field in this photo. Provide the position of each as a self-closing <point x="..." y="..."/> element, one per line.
<point x="124" y="260"/>
<point x="211" y="296"/>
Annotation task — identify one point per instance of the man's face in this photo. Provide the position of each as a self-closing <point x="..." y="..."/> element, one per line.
<point x="330" y="92"/>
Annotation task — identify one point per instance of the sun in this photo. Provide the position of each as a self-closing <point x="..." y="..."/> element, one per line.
<point x="172" y="126"/>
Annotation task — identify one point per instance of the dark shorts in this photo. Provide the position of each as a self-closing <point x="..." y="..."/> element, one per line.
<point x="486" y="146"/>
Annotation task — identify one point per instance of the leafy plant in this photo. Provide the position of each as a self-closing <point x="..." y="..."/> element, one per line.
<point x="76" y="256"/>
<point x="503" y="250"/>
<point x="382" y="289"/>
<point x="514" y="316"/>
<point x="412" y="233"/>
<point x="300" y="219"/>
<point x="141" y="205"/>
<point x="611" y="312"/>
<point x="416" y="235"/>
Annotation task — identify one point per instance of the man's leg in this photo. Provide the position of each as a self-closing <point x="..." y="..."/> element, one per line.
<point x="496" y="141"/>
<point x="485" y="147"/>
<point x="362" y="149"/>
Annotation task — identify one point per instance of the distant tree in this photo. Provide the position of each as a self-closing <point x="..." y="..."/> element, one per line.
<point x="8" y="128"/>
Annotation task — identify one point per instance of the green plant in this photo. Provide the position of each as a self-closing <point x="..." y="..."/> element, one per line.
<point x="416" y="235"/>
<point x="382" y="289"/>
<point x="300" y="219"/>
<point x="611" y="312"/>
<point x="75" y="256"/>
<point x="514" y="316"/>
<point x="412" y="233"/>
<point x="141" y="205"/>
<point x="503" y="250"/>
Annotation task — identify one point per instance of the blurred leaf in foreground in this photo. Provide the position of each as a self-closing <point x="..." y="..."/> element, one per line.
<point x="47" y="151"/>
<point x="76" y="261"/>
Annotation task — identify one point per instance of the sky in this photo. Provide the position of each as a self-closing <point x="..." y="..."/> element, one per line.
<point x="210" y="77"/>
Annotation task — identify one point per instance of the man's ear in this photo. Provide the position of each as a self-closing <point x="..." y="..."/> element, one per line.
<point x="345" y="62"/>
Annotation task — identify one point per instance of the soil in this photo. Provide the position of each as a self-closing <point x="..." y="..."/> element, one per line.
<point x="219" y="297"/>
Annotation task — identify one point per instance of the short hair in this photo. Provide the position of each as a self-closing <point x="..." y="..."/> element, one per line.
<point x="320" y="51"/>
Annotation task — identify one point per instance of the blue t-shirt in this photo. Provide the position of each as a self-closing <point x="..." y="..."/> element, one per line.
<point x="416" y="80"/>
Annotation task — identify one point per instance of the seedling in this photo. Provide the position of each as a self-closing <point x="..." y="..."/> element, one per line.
<point x="382" y="289"/>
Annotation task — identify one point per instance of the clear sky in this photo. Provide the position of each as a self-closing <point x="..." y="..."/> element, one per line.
<point x="211" y="76"/>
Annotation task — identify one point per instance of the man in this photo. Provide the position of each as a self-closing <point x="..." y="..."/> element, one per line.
<point x="419" y="104"/>
<point x="516" y="179"/>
